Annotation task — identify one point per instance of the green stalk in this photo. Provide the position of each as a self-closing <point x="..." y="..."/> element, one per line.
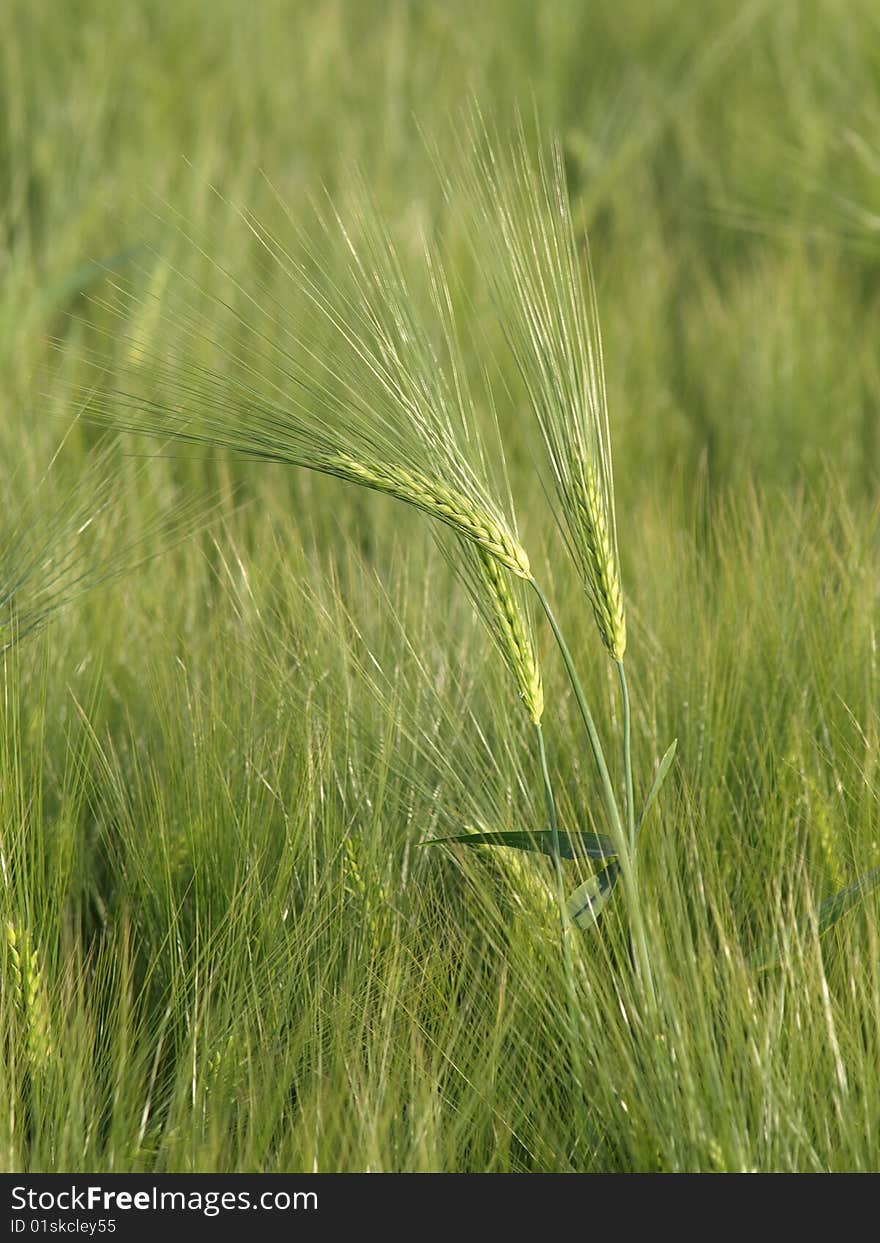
<point x="625" y="841"/>
<point x="554" y="823"/>
<point x="592" y="732"/>
<point x="636" y="922"/>
<point x="627" y="759"/>
<point x="567" y="962"/>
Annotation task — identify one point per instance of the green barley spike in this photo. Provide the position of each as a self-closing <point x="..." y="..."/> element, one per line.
<point x="29" y="991"/>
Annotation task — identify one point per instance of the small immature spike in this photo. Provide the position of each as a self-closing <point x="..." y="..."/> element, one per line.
<point x="29" y="990"/>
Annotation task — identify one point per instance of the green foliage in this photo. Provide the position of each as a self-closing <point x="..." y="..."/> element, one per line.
<point x="54" y="548"/>
<point x="828" y="913"/>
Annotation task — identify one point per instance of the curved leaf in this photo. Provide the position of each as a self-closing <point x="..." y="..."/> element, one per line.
<point x="571" y="845"/>
<point x="662" y="773"/>
<point x="839" y="903"/>
<point x="586" y="903"/>
<point x="829" y="912"/>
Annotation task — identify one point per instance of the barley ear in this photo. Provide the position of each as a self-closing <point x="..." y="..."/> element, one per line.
<point x="448" y="505"/>
<point x="29" y="991"/>
<point x="540" y="275"/>
<point x="512" y="634"/>
<point x="600" y="565"/>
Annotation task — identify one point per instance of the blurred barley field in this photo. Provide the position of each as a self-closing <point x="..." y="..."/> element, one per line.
<point x="226" y="948"/>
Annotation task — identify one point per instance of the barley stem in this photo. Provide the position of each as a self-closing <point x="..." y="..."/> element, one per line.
<point x="567" y="962"/>
<point x="554" y="824"/>
<point x="622" y="840"/>
<point x="631" y="875"/>
<point x="592" y="733"/>
<point x="627" y="759"/>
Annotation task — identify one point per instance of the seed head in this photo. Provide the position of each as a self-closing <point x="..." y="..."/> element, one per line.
<point x="512" y="635"/>
<point x="29" y="991"/>
<point x="595" y="552"/>
<point x="447" y="504"/>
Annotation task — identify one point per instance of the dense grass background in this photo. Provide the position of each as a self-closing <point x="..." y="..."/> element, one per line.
<point x="214" y="773"/>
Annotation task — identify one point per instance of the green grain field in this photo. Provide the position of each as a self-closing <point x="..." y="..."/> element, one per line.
<point x="296" y="364"/>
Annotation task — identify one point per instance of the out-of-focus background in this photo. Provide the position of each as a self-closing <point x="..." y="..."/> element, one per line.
<point x="724" y="157"/>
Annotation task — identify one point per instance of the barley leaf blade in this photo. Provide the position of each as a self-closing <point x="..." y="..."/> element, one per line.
<point x="835" y="907"/>
<point x="830" y="912"/>
<point x="656" y="785"/>
<point x="586" y="903"/>
<point x="571" y="845"/>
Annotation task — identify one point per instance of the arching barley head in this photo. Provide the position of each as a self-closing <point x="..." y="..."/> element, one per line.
<point x="365" y="381"/>
<point x="542" y="285"/>
<point x="504" y="613"/>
